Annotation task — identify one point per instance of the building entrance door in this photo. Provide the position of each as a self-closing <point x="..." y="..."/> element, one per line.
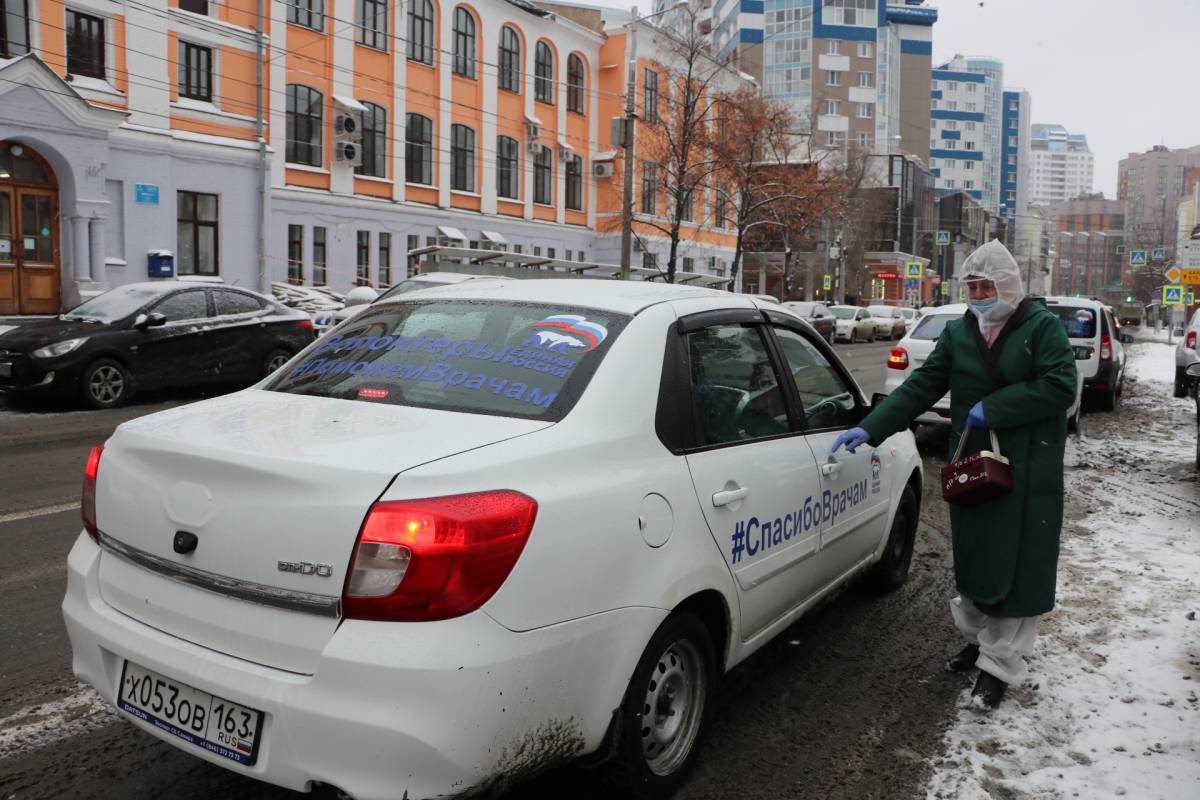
<point x="29" y="235"/>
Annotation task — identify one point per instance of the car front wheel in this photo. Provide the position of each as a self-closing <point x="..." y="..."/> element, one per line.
<point x="892" y="570"/>
<point x="105" y="384"/>
<point x="274" y="360"/>
<point x="665" y="707"/>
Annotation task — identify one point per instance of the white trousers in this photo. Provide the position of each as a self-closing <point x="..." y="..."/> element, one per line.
<point x="1003" y="641"/>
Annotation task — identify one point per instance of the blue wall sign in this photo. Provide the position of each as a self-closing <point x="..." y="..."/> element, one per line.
<point x="146" y="193"/>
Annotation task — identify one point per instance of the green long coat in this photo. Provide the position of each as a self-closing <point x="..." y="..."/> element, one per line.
<point x="1005" y="550"/>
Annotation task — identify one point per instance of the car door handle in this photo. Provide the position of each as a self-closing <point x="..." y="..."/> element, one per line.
<point x="831" y="467"/>
<point x="730" y="496"/>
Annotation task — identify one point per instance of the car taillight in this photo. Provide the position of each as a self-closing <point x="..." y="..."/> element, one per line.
<point x="87" y="502"/>
<point x="436" y="558"/>
<point x="898" y="359"/>
<point x="305" y="324"/>
<point x="1106" y="348"/>
<point x="1190" y="342"/>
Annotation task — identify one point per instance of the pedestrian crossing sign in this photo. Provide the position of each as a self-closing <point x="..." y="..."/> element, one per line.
<point x="1137" y="258"/>
<point x="943" y="237"/>
<point x="1158" y="253"/>
<point x="828" y="283"/>
<point x="913" y="269"/>
<point x="1189" y="299"/>
<point x="1172" y="295"/>
<point x="962" y="293"/>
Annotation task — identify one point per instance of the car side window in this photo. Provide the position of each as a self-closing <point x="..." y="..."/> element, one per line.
<point x="183" y="306"/>
<point x="235" y="302"/>
<point x="828" y="402"/>
<point x="735" y="390"/>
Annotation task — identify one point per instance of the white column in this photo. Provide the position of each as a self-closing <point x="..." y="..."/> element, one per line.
<point x="80" y="262"/>
<point x="341" y="177"/>
<point x="487" y="133"/>
<point x="526" y="83"/>
<point x="149" y="99"/>
<point x="560" y="112"/>
<point x="276" y="98"/>
<point x="445" y="64"/>
<point x="96" y="241"/>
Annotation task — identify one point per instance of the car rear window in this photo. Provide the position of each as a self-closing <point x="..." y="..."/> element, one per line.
<point x="931" y="326"/>
<point x="1077" y="321"/>
<point x="508" y="359"/>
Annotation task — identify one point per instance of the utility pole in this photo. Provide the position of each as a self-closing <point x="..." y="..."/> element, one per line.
<point x="627" y="141"/>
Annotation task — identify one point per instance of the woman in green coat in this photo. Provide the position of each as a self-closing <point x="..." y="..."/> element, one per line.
<point x="1005" y="550"/>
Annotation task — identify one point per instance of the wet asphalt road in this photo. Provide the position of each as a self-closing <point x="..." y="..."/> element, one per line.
<point x="851" y="702"/>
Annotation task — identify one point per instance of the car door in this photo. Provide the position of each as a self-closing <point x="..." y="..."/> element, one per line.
<point x="855" y="487"/>
<point x="755" y="478"/>
<point x="238" y="341"/>
<point x="864" y="324"/>
<point x="175" y="353"/>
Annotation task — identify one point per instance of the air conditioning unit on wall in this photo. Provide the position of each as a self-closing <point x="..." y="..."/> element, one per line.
<point x="603" y="169"/>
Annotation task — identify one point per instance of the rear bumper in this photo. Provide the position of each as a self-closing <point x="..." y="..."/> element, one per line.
<point x="1105" y="378"/>
<point x="422" y="709"/>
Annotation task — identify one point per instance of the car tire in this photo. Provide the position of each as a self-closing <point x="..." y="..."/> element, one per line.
<point x="1108" y="400"/>
<point x="105" y="383"/>
<point x="675" y="673"/>
<point x="1181" y="386"/>
<point x="274" y="360"/>
<point x="892" y="570"/>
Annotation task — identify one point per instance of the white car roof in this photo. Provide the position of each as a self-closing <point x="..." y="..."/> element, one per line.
<point x="955" y="309"/>
<point x="1078" y="302"/>
<point x="456" y="277"/>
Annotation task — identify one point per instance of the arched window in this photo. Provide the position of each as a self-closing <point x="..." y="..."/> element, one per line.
<point x="543" y="74"/>
<point x="464" y="43"/>
<point x="418" y="149"/>
<point x="420" y="31"/>
<point x="374" y="142"/>
<point x="462" y="158"/>
<point x="305" y="128"/>
<point x="510" y="60"/>
<point x="508" y="167"/>
<point x="576" y="84"/>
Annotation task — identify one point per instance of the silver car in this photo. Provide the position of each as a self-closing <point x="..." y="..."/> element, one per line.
<point x="889" y="322"/>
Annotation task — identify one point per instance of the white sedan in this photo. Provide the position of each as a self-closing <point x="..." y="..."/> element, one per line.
<point x="852" y="323"/>
<point x="479" y="532"/>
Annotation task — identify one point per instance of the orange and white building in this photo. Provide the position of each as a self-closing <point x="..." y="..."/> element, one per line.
<point x="132" y="127"/>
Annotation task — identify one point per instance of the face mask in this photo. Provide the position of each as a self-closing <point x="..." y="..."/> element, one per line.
<point x="992" y="308"/>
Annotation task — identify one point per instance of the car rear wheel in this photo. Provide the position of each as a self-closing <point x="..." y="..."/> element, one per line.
<point x="274" y="360"/>
<point x="665" y="707"/>
<point x="1108" y="400"/>
<point x="105" y="384"/>
<point x="892" y="570"/>
<point x="1181" y="387"/>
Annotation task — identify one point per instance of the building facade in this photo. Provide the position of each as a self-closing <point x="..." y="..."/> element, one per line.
<point x="1152" y="184"/>
<point x="1090" y="254"/>
<point x="133" y="126"/>
<point x="1014" y="162"/>
<point x="966" y="131"/>
<point x="1061" y="165"/>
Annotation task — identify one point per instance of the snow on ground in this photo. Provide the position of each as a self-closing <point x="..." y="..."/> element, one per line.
<point x="1111" y="706"/>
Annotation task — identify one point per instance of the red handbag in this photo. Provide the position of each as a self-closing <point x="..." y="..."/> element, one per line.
<point x="979" y="477"/>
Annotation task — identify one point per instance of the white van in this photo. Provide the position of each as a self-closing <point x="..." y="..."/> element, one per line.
<point x="1099" y="346"/>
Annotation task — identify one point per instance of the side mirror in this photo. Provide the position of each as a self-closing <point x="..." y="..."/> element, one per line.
<point x="153" y="320"/>
<point x="1193" y="370"/>
<point x="1126" y="338"/>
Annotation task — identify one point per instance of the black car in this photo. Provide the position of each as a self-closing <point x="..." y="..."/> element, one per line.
<point x="1193" y="372"/>
<point x="151" y="335"/>
<point x="816" y="314"/>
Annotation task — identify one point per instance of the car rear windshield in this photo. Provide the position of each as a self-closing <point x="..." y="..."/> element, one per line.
<point x="507" y="359"/>
<point x="844" y="312"/>
<point x="1077" y="321"/>
<point x="931" y="326"/>
<point x="881" y="311"/>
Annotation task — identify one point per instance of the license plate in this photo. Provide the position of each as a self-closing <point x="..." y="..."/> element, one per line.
<point x="219" y="726"/>
<point x="5" y="370"/>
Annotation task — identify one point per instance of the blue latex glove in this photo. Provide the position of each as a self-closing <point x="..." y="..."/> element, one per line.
<point x="975" y="416"/>
<point x="852" y="439"/>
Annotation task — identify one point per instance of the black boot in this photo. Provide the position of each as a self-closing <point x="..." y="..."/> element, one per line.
<point x="989" y="690"/>
<point x="964" y="660"/>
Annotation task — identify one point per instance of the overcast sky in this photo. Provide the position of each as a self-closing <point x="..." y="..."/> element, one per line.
<point x="1116" y="72"/>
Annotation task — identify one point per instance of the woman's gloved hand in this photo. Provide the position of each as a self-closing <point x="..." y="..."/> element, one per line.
<point x="975" y="416"/>
<point x="852" y="439"/>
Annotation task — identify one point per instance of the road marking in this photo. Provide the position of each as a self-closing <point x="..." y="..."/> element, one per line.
<point x="46" y="723"/>
<point x="38" y="512"/>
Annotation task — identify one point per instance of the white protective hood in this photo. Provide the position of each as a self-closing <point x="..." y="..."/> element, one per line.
<point x="993" y="262"/>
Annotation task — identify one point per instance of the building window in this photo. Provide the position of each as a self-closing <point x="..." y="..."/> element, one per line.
<point x="833" y="47"/>
<point x="952" y="86"/>
<point x="950" y="144"/>
<point x="464" y="43"/>
<point x="866" y="110"/>
<point x="835" y="138"/>
<point x="968" y="164"/>
<point x="14" y="28"/>
<point x="850" y="12"/>
<point x="385" y="259"/>
<point x="195" y="72"/>
<point x="508" y="167"/>
<point x="950" y="183"/>
<point x="649" y="187"/>
<point x="970" y="126"/>
<point x="970" y="88"/>
<point x="418" y="149"/>
<point x="968" y="184"/>
<point x="689" y="264"/>
<point x="295" y="249"/>
<point x="374" y="142"/>
<point x="833" y="107"/>
<point x="952" y="105"/>
<point x="462" y="158"/>
<point x="864" y="140"/>
<point x="650" y="260"/>
<point x="1012" y="141"/>
<point x="420" y="31"/>
<point x="866" y="49"/>
<point x="305" y="114"/>
<point x="195" y="6"/>
<point x="543" y="74"/>
<point x="951" y="125"/>
<point x="650" y="95"/>
<point x="971" y="106"/>
<point x="543" y="176"/>
<point x="373" y="23"/>
<point x="197" y="229"/>
<point x="574" y="186"/>
<point x="688" y="211"/>
<point x="720" y="210"/>
<point x="85" y="45"/>
<point x="833" y="78"/>
<point x="319" y="257"/>
<point x="362" y="275"/>
<point x="509" y="72"/>
<point x="968" y="144"/>
<point x="1012" y="159"/>
<point x="951" y="163"/>
<point x="866" y="79"/>
<point x="309" y="13"/>
<point x="575" y="84"/>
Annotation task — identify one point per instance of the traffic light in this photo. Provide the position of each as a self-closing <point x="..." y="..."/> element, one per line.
<point x="1128" y="298"/>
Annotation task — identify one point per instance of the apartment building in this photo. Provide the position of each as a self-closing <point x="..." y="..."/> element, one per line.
<point x="1014" y="164"/>
<point x="133" y="126"/>
<point x="1152" y="184"/>
<point x="1061" y="165"/>
<point x="1090" y="255"/>
<point x="966" y="133"/>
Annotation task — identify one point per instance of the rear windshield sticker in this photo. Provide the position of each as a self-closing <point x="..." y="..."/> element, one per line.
<point x="1084" y="315"/>
<point x="576" y="331"/>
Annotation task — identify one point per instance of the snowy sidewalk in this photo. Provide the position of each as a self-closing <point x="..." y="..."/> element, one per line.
<point x="1111" y="707"/>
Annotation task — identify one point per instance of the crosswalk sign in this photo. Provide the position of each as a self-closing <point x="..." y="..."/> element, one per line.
<point x="1158" y="253"/>
<point x="828" y="282"/>
<point x="913" y="269"/>
<point x="1137" y="258"/>
<point x="1189" y="299"/>
<point x="943" y="237"/>
<point x="962" y="293"/>
<point x="1172" y="295"/>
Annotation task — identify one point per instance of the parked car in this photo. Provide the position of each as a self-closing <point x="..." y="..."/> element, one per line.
<point x="1193" y="372"/>
<point x="914" y="349"/>
<point x="853" y="323"/>
<point x="911" y="315"/>
<point x="473" y="535"/>
<point x="766" y="298"/>
<point x="1099" y="346"/>
<point x="889" y="322"/>
<point x="147" y="336"/>
<point x="816" y="314"/>
<point x="1187" y="352"/>
<point x="360" y="297"/>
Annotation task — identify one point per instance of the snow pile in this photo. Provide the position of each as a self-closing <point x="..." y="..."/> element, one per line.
<point x="312" y="299"/>
<point x="1111" y="707"/>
